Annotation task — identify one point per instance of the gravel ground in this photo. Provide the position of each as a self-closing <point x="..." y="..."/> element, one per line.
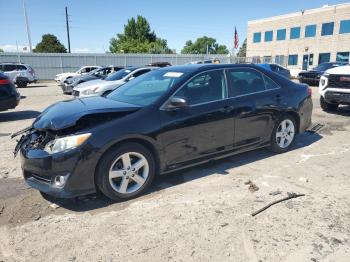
<point x="201" y="214"/>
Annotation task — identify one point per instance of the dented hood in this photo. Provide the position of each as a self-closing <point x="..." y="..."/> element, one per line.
<point x="66" y="113"/>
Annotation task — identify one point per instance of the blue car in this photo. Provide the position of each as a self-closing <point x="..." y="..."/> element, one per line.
<point x="277" y="69"/>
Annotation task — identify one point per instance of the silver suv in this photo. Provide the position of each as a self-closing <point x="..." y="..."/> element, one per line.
<point x="19" y="74"/>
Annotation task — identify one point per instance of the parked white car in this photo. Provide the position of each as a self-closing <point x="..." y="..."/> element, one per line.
<point x="60" y="78"/>
<point x="19" y="74"/>
<point x="103" y="87"/>
<point x="334" y="88"/>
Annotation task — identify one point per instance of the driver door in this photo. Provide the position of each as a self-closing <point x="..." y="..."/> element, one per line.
<point x="204" y="127"/>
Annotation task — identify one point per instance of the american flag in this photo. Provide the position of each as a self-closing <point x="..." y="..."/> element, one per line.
<point x="236" y="41"/>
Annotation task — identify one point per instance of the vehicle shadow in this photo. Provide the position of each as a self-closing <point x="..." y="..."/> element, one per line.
<point x="32" y="86"/>
<point x="97" y="201"/>
<point x="342" y="111"/>
<point x="18" y="115"/>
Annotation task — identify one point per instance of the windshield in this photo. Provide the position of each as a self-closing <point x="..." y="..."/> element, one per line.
<point x="95" y="71"/>
<point x="146" y="89"/>
<point x="119" y="75"/>
<point x="324" y="67"/>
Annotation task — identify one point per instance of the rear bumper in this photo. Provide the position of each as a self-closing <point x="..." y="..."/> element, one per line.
<point x="305" y="114"/>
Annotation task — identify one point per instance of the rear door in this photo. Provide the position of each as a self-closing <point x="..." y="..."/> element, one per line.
<point x="203" y="128"/>
<point x="256" y="102"/>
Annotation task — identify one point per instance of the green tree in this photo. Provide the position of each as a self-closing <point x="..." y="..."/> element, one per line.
<point x="138" y="38"/>
<point x="243" y="50"/>
<point x="49" y="44"/>
<point x="1" y="50"/>
<point x="201" y="44"/>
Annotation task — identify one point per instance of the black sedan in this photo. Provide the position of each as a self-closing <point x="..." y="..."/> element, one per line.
<point x="9" y="97"/>
<point x="99" y="73"/>
<point x="163" y="121"/>
<point x="313" y="76"/>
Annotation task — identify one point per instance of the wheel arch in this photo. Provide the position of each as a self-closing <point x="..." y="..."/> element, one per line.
<point x="296" y="117"/>
<point x="139" y="140"/>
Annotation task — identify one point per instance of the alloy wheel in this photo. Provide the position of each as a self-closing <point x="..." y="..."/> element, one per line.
<point x="285" y="133"/>
<point x="128" y="172"/>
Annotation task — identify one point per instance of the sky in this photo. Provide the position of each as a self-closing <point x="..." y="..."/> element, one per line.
<point x="93" y="23"/>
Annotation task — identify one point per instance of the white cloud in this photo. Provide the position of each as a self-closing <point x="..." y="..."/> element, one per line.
<point x="13" y="48"/>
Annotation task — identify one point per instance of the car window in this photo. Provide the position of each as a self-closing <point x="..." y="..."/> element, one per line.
<point x="246" y="81"/>
<point x="21" y="67"/>
<point x="147" y="88"/>
<point x="269" y="83"/>
<point x="119" y="75"/>
<point x="9" y="67"/>
<point x="141" y="72"/>
<point x="274" y="68"/>
<point x="206" y="87"/>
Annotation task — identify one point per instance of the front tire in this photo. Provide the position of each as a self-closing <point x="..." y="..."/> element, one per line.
<point x="126" y="171"/>
<point x="327" y="106"/>
<point x="283" y="135"/>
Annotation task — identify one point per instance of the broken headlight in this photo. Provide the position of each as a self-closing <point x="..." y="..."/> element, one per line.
<point x="65" y="143"/>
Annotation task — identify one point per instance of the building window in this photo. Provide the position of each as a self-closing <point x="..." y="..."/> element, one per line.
<point x="279" y="59"/>
<point x="257" y="37"/>
<point x="324" y="57"/>
<point x="344" y="27"/>
<point x="267" y="59"/>
<point x="327" y="28"/>
<point x="281" y="34"/>
<point x="295" y="33"/>
<point x="256" y="60"/>
<point x="310" y="31"/>
<point x="343" y="57"/>
<point x="293" y="60"/>
<point x="268" y="36"/>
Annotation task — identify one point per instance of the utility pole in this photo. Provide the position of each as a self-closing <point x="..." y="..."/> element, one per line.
<point x="27" y="26"/>
<point x="67" y="24"/>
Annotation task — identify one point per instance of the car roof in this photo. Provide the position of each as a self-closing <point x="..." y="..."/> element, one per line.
<point x="189" y="68"/>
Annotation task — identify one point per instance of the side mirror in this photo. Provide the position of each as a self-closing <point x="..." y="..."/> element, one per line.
<point x="131" y="78"/>
<point x="176" y="102"/>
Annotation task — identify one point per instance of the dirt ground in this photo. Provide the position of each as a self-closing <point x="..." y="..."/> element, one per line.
<point x="201" y="214"/>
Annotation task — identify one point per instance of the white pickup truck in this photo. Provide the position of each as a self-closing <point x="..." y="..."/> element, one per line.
<point x="334" y="88"/>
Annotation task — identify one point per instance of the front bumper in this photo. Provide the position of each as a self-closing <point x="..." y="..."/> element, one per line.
<point x="40" y="169"/>
<point x="307" y="80"/>
<point x="337" y="97"/>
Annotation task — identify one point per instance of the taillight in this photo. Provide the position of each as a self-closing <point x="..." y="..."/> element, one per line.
<point x="4" y="81"/>
<point x="31" y="71"/>
<point x="309" y="91"/>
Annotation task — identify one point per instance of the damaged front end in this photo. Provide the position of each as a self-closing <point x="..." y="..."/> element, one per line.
<point x="57" y="153"/>
<point x="32" y="139"/>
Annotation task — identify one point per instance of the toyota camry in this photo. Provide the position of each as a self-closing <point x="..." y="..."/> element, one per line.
<point x="165" y="120"/>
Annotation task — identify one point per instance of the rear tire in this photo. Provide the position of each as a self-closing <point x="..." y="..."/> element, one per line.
<point x="327" y="106"/>
<point x="125" y="172"/>
<point x="283" y="134"/>
<point x="22" y="83"/>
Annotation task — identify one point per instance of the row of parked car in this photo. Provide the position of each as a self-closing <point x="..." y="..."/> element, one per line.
<point x="92" y="81"/>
